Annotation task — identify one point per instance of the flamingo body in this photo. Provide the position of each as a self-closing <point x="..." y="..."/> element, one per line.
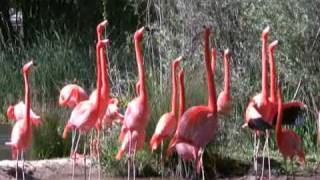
<point x="166" y="127"/>
<point x="136" y="140"/>
<point x="17" y="112"/>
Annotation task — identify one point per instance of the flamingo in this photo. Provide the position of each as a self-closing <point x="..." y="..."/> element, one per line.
<point x="167" y="123"/>
<point x="185" y="150"/>
<point x="21" y="134"/>
<point x="85" y="114"/>
<point x="17" y="112"/>
<point x="288" y="142"/>
<point x="224" y="98"/>
<point x="291" y="111"/>
<point x="137" y="114"/>
<point x="198" y="125"/>
<point x="258" y="115"/>
<point x="71" y="95"/>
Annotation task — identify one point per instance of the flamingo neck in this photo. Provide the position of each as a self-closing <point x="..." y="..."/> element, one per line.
<point x="140" y="63"/>
<point x="212" y="101"/>
<point x="181" y="95"/>
<point x="227" y="82"/>
<point x="279" y="120"/>
<point x="98" y="49"/>
<point x="264" y="69"/>
<point x="27" y="100"/>
<point x="273" y="76"/>
<point x="213" y="59"/>
<point x="104" y="74"/>
<point x="174" y="89"/>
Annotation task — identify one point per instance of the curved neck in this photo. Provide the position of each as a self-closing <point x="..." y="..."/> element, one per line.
<point x="104" y="74"/>
<point x="227" y="82"/>
<point x="174" y="88"/>
<point x="210" y="76"/>
<point x="264" y="69"/>
<point x="181" y="95"/>
<point x="27" y="101"/>
<point x="273" y="76"/>
<point x="140" y="63"/>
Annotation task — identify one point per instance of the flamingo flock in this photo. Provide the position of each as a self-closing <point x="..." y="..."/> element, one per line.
<point x="188" y="131"/>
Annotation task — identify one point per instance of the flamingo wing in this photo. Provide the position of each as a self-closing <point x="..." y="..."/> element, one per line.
<point x="292" y="113"/>
<point x="81" y="114"/>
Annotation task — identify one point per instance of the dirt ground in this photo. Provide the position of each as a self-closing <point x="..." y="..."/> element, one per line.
<point x="59" y="169"/>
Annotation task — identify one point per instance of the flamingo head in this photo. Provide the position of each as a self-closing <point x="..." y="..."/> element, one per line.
<point x="138" y="35"/>
<point x="227" y="53"/>
<point x="10" y="112"/>
<point x="102" y="26"/>
<point x="176" y="62"/>
<point x="265" y="32"/>
<point x="206" y="31"/>
<point x="273" y="45"/>
<point x="27" y="66"/>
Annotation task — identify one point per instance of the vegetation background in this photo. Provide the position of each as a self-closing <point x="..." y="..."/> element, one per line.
<point x="60" y="36"/>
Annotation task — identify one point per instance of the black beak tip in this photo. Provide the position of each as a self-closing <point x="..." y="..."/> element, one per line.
<point x="146" y="28"/>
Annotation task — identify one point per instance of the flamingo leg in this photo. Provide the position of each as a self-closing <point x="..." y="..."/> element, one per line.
<point x="263" y="150"/>
<point x="201" y="163"/>
<point x="268" y="154"/>
<point x="74" y="135"/>
<point x="74" y="155"/>
<point x="161" y="160"/>
<point x="133" y="161"/>
<point x="22" y="158"/>
<point x="90" y="154"/>
<point x="17" y="164"/>
<point x="98" y="153"/>
<point x="129" y="155"/>
<point x="85" y="157"/>
<point x="292" y="172"/>
<point x="255" y="153"/>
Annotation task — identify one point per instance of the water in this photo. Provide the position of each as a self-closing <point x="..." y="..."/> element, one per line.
<point x="5" y="131"/>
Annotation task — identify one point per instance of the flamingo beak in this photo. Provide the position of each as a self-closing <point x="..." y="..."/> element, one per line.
<point x="244" y="125"/>
<point x="105" y="23"/>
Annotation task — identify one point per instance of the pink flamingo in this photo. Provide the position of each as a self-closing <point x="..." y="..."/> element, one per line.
<point x="185" y="150"/>
<point x="259" y="111"/>
<point x="17" y="112"/>
<point x="71" y="95"/>
<point x="137" y="114"/>
<point x="21" y="135"/>
<point x="199" y="124"/>
<point x="291" y="111"/>
<point x="85" y="114"/>
<point x="167" y="123"/>
<point x="288" y="142"/>
<point x="224" y="99"/>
